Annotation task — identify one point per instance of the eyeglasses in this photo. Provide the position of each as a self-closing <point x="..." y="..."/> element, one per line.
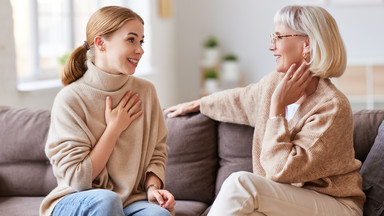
<point x="274" y="37"/>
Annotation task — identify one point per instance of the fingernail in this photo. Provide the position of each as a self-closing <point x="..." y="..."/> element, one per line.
<point x="108" y="98"/>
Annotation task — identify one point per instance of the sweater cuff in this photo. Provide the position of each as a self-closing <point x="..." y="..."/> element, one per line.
<point x="276" y="129"/>
<point x="82" y="180"/>
<point x="159" y="172"/>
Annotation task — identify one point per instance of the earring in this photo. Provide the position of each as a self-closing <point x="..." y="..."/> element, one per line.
<point x="305" y="56"/>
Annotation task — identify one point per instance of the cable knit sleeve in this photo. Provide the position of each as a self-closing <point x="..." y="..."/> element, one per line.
<point x="69" y="144"/>
<point x="232" y="105"/>
<point x="241" y="105"/>
<point x="322" y="148"/>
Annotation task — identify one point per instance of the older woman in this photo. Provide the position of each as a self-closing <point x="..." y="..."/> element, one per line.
<point x="303" y="156"/>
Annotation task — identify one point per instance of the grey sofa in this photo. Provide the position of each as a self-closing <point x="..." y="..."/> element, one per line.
<point x="203" y="152"/>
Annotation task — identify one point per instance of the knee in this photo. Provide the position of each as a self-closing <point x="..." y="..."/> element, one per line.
<point x="106" y="199"/>
<point x="239" y="181"/>
<point x="90" y="202"/>
<point x="239" y="176"/>
<point x="157" y="210"/>
<point x="163" y="212"/>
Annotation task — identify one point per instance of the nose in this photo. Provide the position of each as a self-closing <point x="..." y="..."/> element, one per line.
<point x="272" y="47"/>
<point x="139" y="50"/>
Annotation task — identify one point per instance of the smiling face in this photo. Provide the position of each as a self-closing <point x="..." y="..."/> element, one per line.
<point x="120" y="52"/>
<point x="288" y="50"/>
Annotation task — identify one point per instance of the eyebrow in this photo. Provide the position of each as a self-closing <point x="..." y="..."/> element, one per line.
<point x="133" y="33"/>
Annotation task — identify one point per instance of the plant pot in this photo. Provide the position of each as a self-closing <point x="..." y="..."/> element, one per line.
<point x="211" y="57"/>
<point x="230" y="74"/>
<point x="211" y="85"/>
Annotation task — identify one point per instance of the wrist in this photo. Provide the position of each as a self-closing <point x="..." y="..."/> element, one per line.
<point x="112" y="131"/>
<point x="276" y="111"/>
<point x="151" y="187"/>
<point x="196" y="105"/>
<point x="276" y="116"/>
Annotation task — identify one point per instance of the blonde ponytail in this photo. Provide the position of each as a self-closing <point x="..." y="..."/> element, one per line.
<point x="75" y="66"/>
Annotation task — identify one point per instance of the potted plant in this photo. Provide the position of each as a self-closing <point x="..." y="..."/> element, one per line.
<point x="211" y="42"/>
<point x="210" y="73"/>
<point x="230" y="71"/>
<point x="230" y="57"/>
<point x="211" y="52"/>
<point x="211" y="82"/>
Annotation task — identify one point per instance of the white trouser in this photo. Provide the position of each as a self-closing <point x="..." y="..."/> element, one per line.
<point x="244" y="193"/>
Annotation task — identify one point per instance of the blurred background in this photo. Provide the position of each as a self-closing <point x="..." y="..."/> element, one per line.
<point x="192" y="47"/>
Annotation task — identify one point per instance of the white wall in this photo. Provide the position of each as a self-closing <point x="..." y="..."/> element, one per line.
<point x="362" y="28"/>
<point x="243" y="27"/>
<point x="163" y="59"/>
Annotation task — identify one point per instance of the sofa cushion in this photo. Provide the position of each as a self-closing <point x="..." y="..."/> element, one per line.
<point x="23" y="134"/>
<point x="235" y="150"/>
<point x="23" y="162"/>
<point x="372" y="172"/>
<point x="26" y="179"/>
<point x="366" y="123"/>
<point x="26" y="206"/>
<point x="192" y="157"/>
<point x="188" y="208"/>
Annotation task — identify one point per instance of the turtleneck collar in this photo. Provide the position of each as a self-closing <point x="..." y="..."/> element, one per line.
<point x="104" y="81"/>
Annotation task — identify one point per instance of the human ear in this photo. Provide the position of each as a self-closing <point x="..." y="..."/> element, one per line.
<point x="306" y="49"/>
<point x="99" y="43"/>
<point x="307" y="45"/>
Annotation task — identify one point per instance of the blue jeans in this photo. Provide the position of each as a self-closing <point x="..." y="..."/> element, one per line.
<point x="100" y="202"/>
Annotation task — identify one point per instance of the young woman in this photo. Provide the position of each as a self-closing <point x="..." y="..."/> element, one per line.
<point x="303" y="156"/>
<point x="106" y="141"/>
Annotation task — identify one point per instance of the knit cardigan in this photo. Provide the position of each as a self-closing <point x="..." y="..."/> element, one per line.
<point x="77" y="123"/>
<point x="314" y="150"/>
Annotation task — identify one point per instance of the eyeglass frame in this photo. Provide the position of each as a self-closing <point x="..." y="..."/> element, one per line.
<point x="274" y="37"/>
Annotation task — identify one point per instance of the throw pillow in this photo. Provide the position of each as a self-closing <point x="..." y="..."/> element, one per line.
<point x="372" y="172"/>
<point x="192" y="157"/>
<point x="235" y="150"/>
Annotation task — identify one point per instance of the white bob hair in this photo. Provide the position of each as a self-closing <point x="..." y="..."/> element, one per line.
<point x="328" y="57"/>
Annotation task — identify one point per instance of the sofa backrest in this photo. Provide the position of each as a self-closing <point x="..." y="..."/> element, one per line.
<point x="366" y="125"/>
<point x="195" y="141"/>
<point x="24" y="168"/>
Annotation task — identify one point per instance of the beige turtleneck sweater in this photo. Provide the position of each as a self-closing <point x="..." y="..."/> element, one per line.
<point x="314" y="150"/>
<point x="77" y="123"/>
